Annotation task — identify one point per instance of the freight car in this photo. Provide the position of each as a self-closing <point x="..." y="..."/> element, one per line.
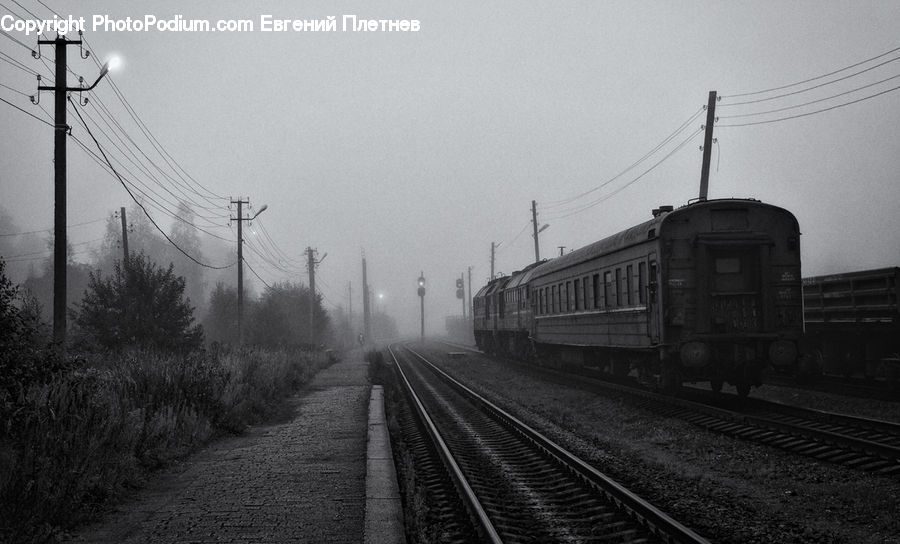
<point x="710" y="291"/>
<point x="852" y="325"/>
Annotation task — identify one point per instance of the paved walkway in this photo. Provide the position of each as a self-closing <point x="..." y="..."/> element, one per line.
<point x="299" y="481"/>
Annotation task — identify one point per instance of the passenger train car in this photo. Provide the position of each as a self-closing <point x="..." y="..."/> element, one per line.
<point x="710" y="291"/>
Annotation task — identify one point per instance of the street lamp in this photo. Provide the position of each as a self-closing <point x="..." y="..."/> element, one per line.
<point x="422" y="301"/>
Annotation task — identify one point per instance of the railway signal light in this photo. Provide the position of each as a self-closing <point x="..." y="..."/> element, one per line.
<point x="460" y="292"/>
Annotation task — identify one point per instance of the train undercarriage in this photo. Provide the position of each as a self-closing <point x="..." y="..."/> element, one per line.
<point x="666" y="367"/>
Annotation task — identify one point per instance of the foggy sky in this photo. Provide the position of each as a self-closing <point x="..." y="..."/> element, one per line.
<point x="423" y="148"/>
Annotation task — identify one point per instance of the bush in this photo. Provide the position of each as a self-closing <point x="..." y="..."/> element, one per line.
<point x="141" y="305"/>
<point x="78" y="440"/>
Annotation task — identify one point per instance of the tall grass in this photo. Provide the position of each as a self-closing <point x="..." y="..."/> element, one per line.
<point x="71" y="445"/>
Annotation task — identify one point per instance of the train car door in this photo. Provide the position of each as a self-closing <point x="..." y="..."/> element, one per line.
<point x="653" y="299"/>
<point x="734" y="290"/>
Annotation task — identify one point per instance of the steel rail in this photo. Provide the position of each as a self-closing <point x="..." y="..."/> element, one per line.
<point x="650" y="517"/>
<point x="468" y="496"/>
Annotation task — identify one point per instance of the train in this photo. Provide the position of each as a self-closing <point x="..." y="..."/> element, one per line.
<point x="710" y="291"/>
<point x="852" y="326"/>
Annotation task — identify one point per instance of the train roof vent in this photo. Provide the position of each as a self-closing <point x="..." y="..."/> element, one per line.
<point x="662" y="209"/>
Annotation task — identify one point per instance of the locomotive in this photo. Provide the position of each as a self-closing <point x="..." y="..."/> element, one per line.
<point x="710" y="291"/>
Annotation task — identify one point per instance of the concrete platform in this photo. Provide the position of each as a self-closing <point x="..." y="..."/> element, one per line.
<point x="326" y="475"/>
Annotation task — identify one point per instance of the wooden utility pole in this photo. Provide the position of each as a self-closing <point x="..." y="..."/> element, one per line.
<point x="124" y="236"/>
<point x="240" y="260"/>
<point x="350" y="305"/>
<point x="311" y="265"/>
<point x="537" y="247"/>
<point x="707" y="145"/>
<point x="493" y="253"/>
<point x="367" y="318"/>
<point x="61" y="129"/>
<point x="470" y="293"/>
<point x="240" y="265"/>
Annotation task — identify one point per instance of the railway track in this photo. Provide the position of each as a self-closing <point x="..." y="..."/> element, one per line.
<point x="517" y="485"/>
<point x="848" y="387"/>
<point x="864" y="444"/>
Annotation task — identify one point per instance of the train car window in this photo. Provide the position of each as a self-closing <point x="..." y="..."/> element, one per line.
<point x="587" y="300"/>
<point x="628" y="282"/>
<point x="553" y="299"/>
<point x="607" y="282"/>
<point x="642" y="281"/>
<point x="577" y="285"/>
<point x="596" y="288"/>
<point x="728" y="265"/>
<point x="653" y="283"/>
<point x="619" y="297"/>
<point x="567" y="299"/>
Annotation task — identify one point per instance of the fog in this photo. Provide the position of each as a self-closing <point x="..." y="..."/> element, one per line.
<point x="420" y="149"/>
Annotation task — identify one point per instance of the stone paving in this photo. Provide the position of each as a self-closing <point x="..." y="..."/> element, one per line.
<point x="303" y="480"/>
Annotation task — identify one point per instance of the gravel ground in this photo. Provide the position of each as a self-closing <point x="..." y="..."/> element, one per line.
<point x="727" y="489"/>
<point x="879" y="409"/>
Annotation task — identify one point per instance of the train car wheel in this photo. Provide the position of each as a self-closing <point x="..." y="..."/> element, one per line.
<point x="716" y="385"/>
<point x="743" y="388"/>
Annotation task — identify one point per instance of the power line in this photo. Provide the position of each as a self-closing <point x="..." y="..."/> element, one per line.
<point x="620" y="189"/>
<point x="51" y="228"/>
<point x="810" y="113"/>
<point x="28" y="113"/>
<point x="810" y="88"/>
<point x="10" y="60"/>
<point x="13" y="89"/>
<point x="832" y="97"/>
<point x="78" y="112"/>
<point x="257" y="275"/>
<point x="736" y="95"/>
<point x="13" y="38"/>
<point x="659" y="146"/>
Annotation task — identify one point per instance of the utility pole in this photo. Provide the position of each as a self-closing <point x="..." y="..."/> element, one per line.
<point x="124" y="236"/>
<point x="493" y="253"/>
<point x="311" y="265"/>
<point x="240" y="265"/>
<point x="421" y="292"/>
<point x="707" y="145"/>
<point x="350" y="305"/>
<point x="61" y="128"/>
<point x="471" y="315"/>
<point x="240" y="258"/>
<point x="367" y="319"/>
<point x="537" y="247"/>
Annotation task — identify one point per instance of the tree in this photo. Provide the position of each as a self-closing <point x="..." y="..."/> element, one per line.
<point x="220" y="324"/>
<point x="140" y="305"/>
<point x="281" y="316"/>
<point x="23" y="359"/>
